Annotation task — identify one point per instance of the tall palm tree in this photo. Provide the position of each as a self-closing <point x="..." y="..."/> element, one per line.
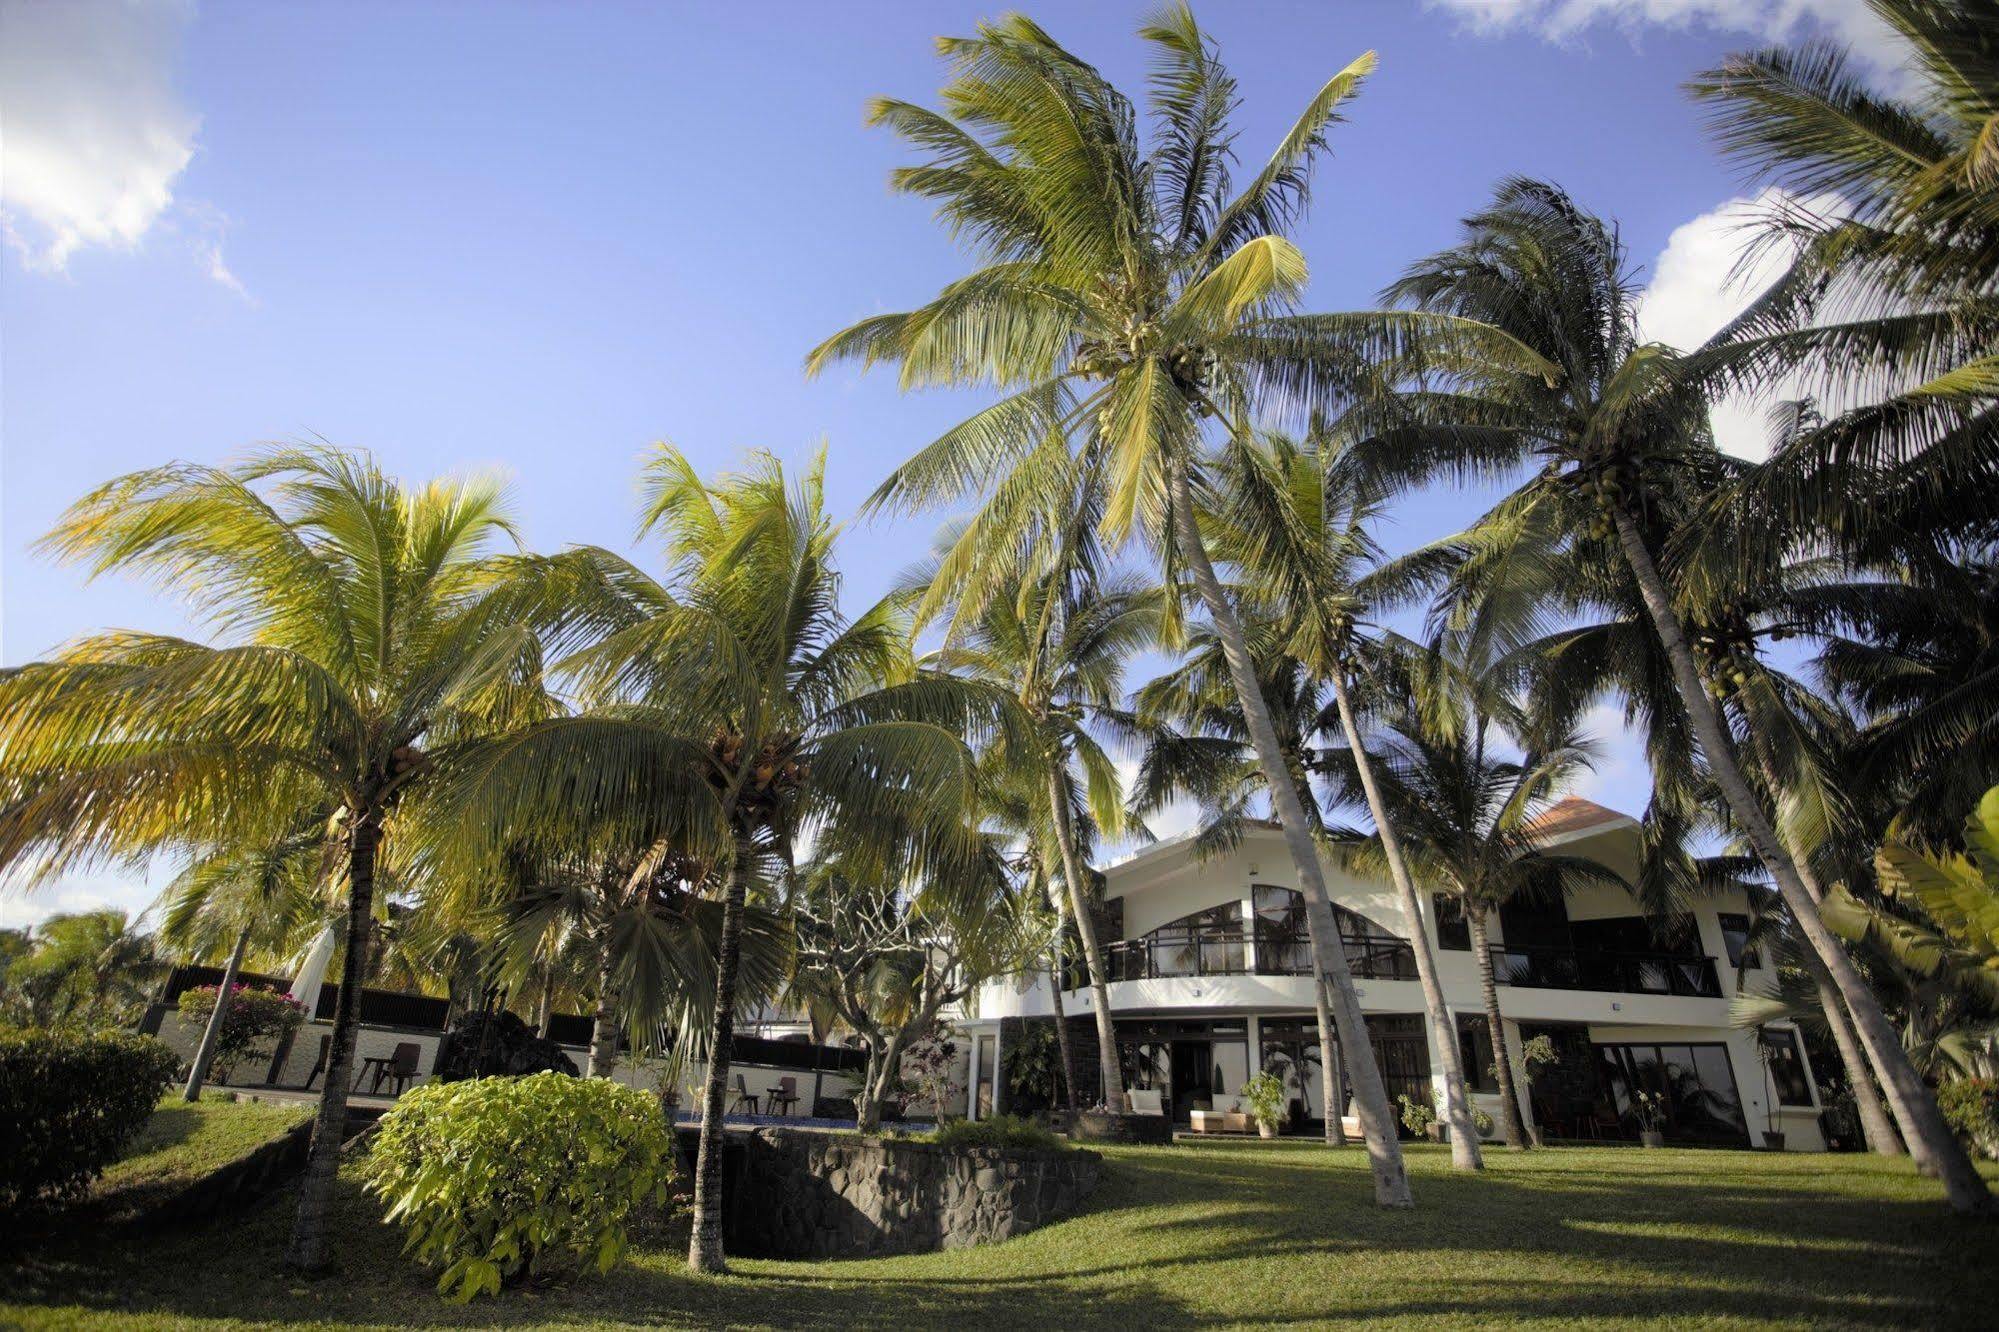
<point x="1466" y="818"/>
<point x="1296" y="519"/>
<point x="728" y="711"/>
<point x="1129" y="302"/>
<point x="1620" y="438"/>
<point x="361" y="645"/>
<point x="1059" y="639"/>
<point x="84" y="971"/>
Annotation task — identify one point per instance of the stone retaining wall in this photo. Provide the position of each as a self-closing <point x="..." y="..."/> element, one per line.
<point x="819" y="1195"/>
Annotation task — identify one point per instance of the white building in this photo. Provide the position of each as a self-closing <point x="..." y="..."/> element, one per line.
<point x="1210" y="981"/>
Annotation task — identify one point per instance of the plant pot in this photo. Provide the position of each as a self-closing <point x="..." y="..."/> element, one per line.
<point x="1265" y="1129"/>
<point x="1651" y="1138"/>
<point x="1773" y="1142"/>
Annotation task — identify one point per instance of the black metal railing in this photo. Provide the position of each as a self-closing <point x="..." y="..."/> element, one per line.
<point x="1553" y="968"/>
<point x="1167" y="953"/>
<point x="1369" y="956"/>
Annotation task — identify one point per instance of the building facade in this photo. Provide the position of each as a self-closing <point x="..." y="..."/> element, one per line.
<point x="1210" y="980"/>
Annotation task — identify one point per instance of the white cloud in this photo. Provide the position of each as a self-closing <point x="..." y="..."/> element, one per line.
<point x="1700" y="281"/>
<point x="96" y="135"/>
<point x="1847" y="21"/>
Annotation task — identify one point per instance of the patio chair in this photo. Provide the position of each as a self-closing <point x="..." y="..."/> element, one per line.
<point x="1146" y="1101"/>
<point x="398" y="1068"/>
<point x="785" y="1097"/>
<point x="319" y="1064"/>
<point x="745" y="1098"/>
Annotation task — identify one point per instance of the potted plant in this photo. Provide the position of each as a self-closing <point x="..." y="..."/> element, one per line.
<point x="1536" y="1055"/>
<point x="1649" y="1108"/>
<point x="1265" y="1095"/>
<point x="1419" y="1117"/>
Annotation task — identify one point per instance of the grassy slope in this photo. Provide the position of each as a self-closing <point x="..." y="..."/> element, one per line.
<point x="1200" y="1236"/>
<point x="180" y="1144"/>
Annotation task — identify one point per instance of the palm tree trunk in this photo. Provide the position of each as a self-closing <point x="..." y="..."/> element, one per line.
<point x="1465" y="1154"/>
<point x="1063" y="1047"/>
<point x="1086" y="930"/>
<point x="1391" y="1180"/>
<point x="704" y="1245"/>
<point x="544" y="1008"/>
<point x="211" y="1036"/>
<point x="1925" y="1125"/>
<point x="1511" y="1123"/>
<point x="308" y="1249"/>
<point x="604" y="1022"/>
<point x="1329" y="1062"/>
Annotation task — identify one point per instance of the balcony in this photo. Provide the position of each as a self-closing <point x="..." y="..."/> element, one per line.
<point x="1166" y="954"/>
<point x="1544" y="968"/>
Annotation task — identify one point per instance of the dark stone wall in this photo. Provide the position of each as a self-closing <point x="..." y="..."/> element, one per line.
<point x="793" y="1194"/>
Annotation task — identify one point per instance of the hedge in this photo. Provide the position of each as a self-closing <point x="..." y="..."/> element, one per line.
<point x="69" y="1107"/>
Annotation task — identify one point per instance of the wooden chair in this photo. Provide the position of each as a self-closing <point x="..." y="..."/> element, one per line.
<point x="745" y="1098"/>
<point x="319" y="1064"/>
<point x="399" y="1068"/>
<point x="785" y="1097"/>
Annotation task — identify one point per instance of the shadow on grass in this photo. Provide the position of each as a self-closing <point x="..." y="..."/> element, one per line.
<point x="1194" y="1238"/>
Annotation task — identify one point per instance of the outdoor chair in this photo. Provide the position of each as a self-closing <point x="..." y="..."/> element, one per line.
<point x="319" y="1064"/>
<point x="745" y="1098"/>
<point x="398" y="1068"/>
<point x="785" y="1097"/>
<point x="1146" y="1101"/>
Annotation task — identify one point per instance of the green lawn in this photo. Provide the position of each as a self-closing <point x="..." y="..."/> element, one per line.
<point x="1196" y="1236"/>
<point x="181" y="1143"/>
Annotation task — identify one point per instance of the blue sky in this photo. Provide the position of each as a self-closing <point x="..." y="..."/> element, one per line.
<point x="538" y="237"/>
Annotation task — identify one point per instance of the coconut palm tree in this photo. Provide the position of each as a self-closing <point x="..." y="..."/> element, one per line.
<point x="1620" y="438"/>
<point x="83" y="971"/>
<point x="1059" y="638"/>
<point x="1130" y="303"/>
<point x="361" y="643"/>
<point x="1890" y="206"/>
<point x="1466" y="816"/>
<point x="728" y="711"/>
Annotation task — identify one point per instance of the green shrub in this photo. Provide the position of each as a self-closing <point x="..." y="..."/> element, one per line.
<point x="254" y="1015"/>
<point x="997" y="1131"/>
<point x="69" y="1106"/>
<point x="500" y="1179"/>
<point x="1971" y="1107"/>
<point x="1420" y="1116"/>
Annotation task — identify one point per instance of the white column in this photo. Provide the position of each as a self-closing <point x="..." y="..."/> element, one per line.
<point x="1254" y="1027"/>
<point x="1249" y="929"/>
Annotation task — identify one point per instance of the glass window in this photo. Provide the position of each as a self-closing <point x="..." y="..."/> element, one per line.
<point x="1453" y="930"/>
<point x="1735" y="938"/>
<point x="1787" y="1068"/>
<point x="1475" y="1052"/>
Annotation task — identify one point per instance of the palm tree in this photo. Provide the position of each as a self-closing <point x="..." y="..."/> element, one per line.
<point x="730" y="710"/>
<point x="247" y="889"/>
<point x="1466" y="817"/>
<point x="1295" y="519"/>
<point x="84" y="971"/>
<point x="1621" y="441"/>
<point x="1126" y="301"/>
<point x="363" y="645"/>
<point x="1059" y="640"/>
<point x="1887" y="310"/>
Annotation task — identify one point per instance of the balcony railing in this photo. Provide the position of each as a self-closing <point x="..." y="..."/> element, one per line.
<point x="1172" y="953"/>
<point x="1545" y="968"/>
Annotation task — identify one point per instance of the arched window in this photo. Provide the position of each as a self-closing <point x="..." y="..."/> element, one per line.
<point x="1284" y="945"/>
<point x="1208" y="942"/>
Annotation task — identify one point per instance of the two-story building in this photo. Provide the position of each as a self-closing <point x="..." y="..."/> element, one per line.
<point x="1210" y="981"/>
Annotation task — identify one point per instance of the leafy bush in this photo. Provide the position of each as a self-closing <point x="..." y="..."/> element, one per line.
<point x="1420" y="1116"/>
<point x="69" y="1106"/>
<point x="1266" y="1096"/>
<point x="997" y="1131"/>
<point x="1971" y="1107"/>
<point x="501" y="1179"/>
<point x="254" y="1015"/>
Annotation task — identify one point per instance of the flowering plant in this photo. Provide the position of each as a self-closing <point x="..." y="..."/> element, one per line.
<point x="256" y="1021"/>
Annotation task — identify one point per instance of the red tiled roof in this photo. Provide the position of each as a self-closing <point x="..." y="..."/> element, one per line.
<point x="1570" y="813"/>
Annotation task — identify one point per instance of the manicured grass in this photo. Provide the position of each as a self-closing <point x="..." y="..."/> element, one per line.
<point x="180" y="1144"/>
<point x="1194" y="1236"/>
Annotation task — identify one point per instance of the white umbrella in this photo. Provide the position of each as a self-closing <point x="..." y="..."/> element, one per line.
<point x="312" y="972"/>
